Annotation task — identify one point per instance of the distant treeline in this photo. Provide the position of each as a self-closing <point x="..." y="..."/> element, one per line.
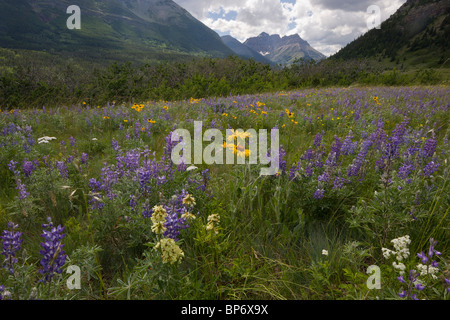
<point x="27" y="82"/>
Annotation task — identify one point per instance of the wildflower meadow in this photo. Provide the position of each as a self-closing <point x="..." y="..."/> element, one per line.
<point x="93" y="207"/>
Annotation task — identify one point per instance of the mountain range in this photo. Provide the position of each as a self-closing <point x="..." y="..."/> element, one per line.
<point x="155" y="30"/>
<point x="274" y="49"/>
<point x="283" y="50"/>
<point x="136" y="30"/>
<point x="110" y="29"/>
<point x="244" y="51"/>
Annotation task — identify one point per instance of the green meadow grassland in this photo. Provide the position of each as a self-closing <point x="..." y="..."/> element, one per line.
<point x="359" y="167"/>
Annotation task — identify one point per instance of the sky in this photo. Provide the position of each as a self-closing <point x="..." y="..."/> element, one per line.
<point x="327" y="25"/>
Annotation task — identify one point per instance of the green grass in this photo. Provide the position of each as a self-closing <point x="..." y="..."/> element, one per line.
<point x="272" y="231"/>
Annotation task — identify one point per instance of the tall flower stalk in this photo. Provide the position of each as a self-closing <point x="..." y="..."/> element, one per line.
<point x="53" y="256"/>
<point x="11" y="244"/>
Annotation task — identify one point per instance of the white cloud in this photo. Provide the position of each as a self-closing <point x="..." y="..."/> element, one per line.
<point x="327" y="25"/>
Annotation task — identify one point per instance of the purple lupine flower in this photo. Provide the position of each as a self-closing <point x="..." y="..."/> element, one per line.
<point x="423" y="257"/>
<point x="419" y="287"/>
<point x="429" y="148"/>
<point x="349" y="146"/>
<point x="336" y="147"/>
<point x="95" y="199"/>
<point x="28" y="168"/>
<point x="294" y="170"/>
<point x="47" y="162"/>
<point x="54" y="257"/>
<point x="413" y="275"/>
<point x="12" y="166"/>
<point x="70" y="159"/>
<point x="401" y="279"/>
<point x="115" y="145"/>
<point x="26" y="148"/>
<point x="324" y="177"/>
<point x="358" y="162"/>
<point x="62" y="169"/>
<point x="147" y="210"/>
<point x="282" y="159"/>
<point x="430" y="168"/>
<point x="11" y="244"/>
<point x="405" y="170"/>
<point x="109" y="178"/>
<point x="84" y="158"/>
<point x="144" y="176"/>
<point x="175" y="209"/>
<point x="73" y="141"/>
<point x="133" y="202"/>
<point x="339" y="182"/>
<point x="317" y="140"/>
<point x="205" y="178"/>
<point x="319" y="194"/>
<point x="23" y="193"/>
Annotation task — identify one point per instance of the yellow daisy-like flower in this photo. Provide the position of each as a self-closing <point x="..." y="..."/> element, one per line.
<point x="189" y="200"/>
<point x="240" y="151"/>
<point x="290" y="114"/>
<point x="263" y="112"/>
<point x="137" y="107"/>
<point x="151" y="121"/>
<point x="166" y="108"/>
<point x="125" y="120"/>
<point x="225" y="114"/>
<point x="106" y="117"/>
<point x="239" y="134"/>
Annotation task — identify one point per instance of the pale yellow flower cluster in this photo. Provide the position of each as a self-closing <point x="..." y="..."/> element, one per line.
<point x="213" y="221"/>
<point x="189" y="200"/>
<point x="158" y="218"/>
<point x="171" y="252"/>
<point x="188" y="215"/>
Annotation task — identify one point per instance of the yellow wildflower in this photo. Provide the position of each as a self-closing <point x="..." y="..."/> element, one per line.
<point x="189" y="200"/>
<point x="170" y="251"/>
<point x="158" y="228"/>
<point x="213" y="221"/>
<point x="188" y="215"/>
<point x="159" y="214"/>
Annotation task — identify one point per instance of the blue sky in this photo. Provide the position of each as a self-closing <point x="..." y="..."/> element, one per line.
<point x="327" y="25"/>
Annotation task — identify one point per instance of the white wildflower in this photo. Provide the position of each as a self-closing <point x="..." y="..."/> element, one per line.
<point x="427" y="270"/>
<point x="387" y="253"/>
<point x="399" y="266"/>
